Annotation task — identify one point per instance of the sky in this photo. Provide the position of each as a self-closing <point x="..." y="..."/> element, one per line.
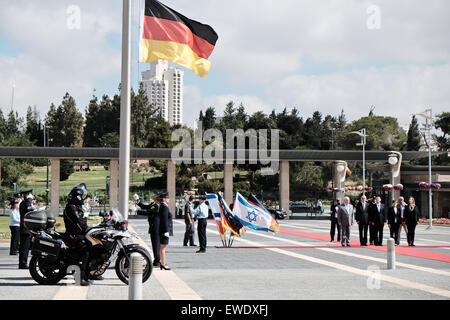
<point x="322" y="56"/>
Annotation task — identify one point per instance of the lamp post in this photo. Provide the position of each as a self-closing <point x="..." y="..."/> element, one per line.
<point x="362" y="134"/>
<point x="340" y="167"/>
<point x="395" y="160"/>
<point x="426" y="133"/>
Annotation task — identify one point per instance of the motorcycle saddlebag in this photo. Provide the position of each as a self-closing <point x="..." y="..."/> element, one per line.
<point x="35" y="220"/>
<point x="46" y="247"/>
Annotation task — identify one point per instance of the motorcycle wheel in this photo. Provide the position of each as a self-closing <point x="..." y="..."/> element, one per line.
<point x="122" y="264"/>
<point x="45" y="271"/>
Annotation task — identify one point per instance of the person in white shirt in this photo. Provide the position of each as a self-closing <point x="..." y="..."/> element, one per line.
<point x="201" y="214"/>
<point x="14" y="226"/>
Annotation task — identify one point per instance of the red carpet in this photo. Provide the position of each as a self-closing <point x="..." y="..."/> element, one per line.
<point x="407" y="251"/>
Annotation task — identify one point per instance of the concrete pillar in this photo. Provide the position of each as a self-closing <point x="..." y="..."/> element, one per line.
<point x="228" y="182"/>
<point x="284" y="185"/>
<point x="171" y="185"/>
<point x="114" y="183"/>
<point x="54" y="188"/>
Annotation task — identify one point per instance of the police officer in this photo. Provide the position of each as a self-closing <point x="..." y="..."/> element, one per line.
<point x="189" y="221"/>
<point x="76" y="227"/>
<point x="24" y="245"/>
<point x="152" y="210"/>
<point x="165" y="227"/>
<point x="201" y="213"/>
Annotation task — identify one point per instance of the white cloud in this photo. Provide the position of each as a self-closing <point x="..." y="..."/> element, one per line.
<point x="314" y="55"/>
<point x="52" y="58"/>
<point x="394" y="91"/>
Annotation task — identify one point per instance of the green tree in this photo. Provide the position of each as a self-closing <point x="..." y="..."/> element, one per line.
<point x="313" y="131"/>
<point x="307" y="176"/>
<point x="3" y="130"/>
<point x="413" y="137"/>
<point x="13" y="124"/>
<point x="259" y="120"/>
<point x="65" y="124"/>
<point x="34" y="128"/>
<point x="443" y="123"/>
<point x="140" y="115"/>
<point x="291" y="128"/>
<point x="443" y="141"/>
<point x="16" y="170"/>
<point x="383" y="133"/>
<point x="102" y="122"/>
<point x="209" y="119"/>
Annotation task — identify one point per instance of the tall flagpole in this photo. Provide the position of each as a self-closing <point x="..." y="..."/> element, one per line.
<point x="125" y="106"/>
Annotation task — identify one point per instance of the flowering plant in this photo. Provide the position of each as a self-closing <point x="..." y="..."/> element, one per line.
<point x="388" y="187"/>
<point x="440" y="221"/>
<point x="398" y="187"/>
<point x="424" y="185"/>
<point x="436" y="185"/>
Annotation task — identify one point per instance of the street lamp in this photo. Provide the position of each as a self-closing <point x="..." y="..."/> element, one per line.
<point x="395" y="160"/>
<point x="340" y="167"/>
<point x="426" y="133"/>
<point x="362" y="134"/>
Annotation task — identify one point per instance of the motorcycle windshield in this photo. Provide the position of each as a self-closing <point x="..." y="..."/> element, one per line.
<point x="116" y="215"/>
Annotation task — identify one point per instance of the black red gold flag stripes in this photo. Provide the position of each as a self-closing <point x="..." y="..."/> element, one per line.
<point x="168" y="35"/>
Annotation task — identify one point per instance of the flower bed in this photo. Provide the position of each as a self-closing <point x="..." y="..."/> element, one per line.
<point x="437" y="221"/>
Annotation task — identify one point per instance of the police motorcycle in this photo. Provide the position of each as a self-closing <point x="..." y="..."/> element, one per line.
<point x="52" y="256"/>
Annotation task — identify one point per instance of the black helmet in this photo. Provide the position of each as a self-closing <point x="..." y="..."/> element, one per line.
<point x="78" y="194"/>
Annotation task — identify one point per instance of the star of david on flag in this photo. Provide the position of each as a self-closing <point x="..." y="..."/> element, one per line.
<point x="252" y="216"/>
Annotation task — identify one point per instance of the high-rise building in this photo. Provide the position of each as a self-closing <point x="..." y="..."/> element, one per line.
<point x="164" y="89"/>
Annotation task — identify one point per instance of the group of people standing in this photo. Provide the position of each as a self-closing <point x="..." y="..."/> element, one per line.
<point x="191" y="214"/>
<point x="160" y="220"/>
<point x="22" y="203"/>
<point x="371" y="216"/>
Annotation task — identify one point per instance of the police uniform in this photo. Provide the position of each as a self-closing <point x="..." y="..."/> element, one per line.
<point x="189" y="233"/>
<point x="201" y="213"/>
<point x="153" y="229"/>
<point x="24" y="246"/>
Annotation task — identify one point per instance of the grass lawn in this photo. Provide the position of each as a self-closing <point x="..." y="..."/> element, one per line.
<point x="94" y="179"/>
<point x="5" y="232"/>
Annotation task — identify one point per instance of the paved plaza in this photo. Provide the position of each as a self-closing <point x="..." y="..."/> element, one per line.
<point x="298" y="263"/>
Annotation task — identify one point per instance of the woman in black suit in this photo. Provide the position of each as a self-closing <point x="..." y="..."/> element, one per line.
<point x="412" y="219"/>
<point x="394" y="221"/>
<point x="165" y="227"/>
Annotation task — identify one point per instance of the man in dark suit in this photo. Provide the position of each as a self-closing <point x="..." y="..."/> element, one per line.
<point x="346" y="218"/>
<point x="152" y="211"/>
<point x="334" y="223"/>
<point x="362" y="218"/>
<point x="377" y="218"/>
<point x="394" y="221"/>
<point x="24" y="245"/>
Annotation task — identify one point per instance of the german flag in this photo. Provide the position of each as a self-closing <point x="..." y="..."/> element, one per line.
<point x="168" y="35"/>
